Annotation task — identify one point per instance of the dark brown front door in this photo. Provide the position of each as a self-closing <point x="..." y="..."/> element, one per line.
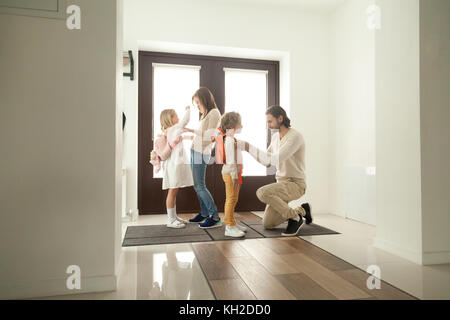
<point x="211" y="74"/>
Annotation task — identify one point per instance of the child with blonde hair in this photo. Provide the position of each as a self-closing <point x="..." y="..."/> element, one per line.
<point x="177" y="171"/>
<point x="228" y="153"/>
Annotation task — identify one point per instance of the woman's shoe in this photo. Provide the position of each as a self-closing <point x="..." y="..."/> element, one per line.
<point x="234" y="232"/>
<point x="211" y="223"/>
<point x="175" y="224"/>
<point x="198" y="219"/>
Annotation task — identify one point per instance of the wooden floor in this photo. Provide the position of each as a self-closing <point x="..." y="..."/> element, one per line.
<point x="283" y="269"/>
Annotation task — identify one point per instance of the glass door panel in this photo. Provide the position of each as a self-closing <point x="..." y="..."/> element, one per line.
<point x="246" y="93"/>
<point x="173" y="86"/>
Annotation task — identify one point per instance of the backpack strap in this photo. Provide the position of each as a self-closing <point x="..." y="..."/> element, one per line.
<point x="220" y="147"/>
<point x="221" y="137"/>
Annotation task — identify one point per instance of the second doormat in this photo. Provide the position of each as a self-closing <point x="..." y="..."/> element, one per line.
<point x="160" y="234"/>
<point x="306" y="230"/>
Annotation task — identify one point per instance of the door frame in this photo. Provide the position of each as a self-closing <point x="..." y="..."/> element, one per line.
<point x="211" y="78"/>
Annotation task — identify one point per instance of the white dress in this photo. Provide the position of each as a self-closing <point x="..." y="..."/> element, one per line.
<point x="177" y="168"/>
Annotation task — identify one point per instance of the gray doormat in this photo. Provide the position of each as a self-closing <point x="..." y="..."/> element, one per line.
<point x="160" y="234"/>
<point x="164" y="240"/>
<point x="306" y="230"/>
<point x="155" y="231"/>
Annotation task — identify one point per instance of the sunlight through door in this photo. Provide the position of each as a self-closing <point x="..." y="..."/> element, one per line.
<point x="173" y="87"/>
<point x="246" y="93"/>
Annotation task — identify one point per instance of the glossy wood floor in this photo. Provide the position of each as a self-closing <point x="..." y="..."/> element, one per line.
<point x="283" y="268"/>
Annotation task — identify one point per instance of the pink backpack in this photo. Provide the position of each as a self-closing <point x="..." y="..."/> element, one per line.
<point x="162" y="150"/>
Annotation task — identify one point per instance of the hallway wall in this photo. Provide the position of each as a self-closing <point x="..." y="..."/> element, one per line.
<point x="352" y="113"/>
<point x="435" y="131"/>
<point x="399" y="205"/>
<point x="59" y="162"/>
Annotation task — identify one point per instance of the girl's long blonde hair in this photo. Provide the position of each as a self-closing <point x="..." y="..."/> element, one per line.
<point x="166" y="118"/>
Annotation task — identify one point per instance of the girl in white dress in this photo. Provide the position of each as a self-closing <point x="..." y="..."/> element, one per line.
<point x="177" y="170"/>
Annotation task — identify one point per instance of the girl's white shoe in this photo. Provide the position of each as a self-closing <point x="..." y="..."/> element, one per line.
<point x="234" y="232"/>
<point x="175" y="224"/>
<point x="182" y="220"/>
<point x="242" y="228"/>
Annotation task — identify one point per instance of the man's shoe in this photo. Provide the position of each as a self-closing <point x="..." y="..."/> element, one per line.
<point x="198" y="219"/>
<point x="293" y="227"/>
<point x="210" y="223"/>
<point x="308" y="216"/>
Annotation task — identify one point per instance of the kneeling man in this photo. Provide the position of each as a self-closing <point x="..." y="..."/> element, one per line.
<point x="287" y="153"/>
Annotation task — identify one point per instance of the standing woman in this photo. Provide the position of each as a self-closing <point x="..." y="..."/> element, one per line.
<point x="201" y="155"/>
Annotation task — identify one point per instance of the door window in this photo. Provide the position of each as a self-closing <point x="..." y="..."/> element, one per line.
<point x="173" y="86"/>
<point x="246" y="93"/>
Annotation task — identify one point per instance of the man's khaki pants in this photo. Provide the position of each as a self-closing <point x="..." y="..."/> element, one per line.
<point x="277" y="197"/>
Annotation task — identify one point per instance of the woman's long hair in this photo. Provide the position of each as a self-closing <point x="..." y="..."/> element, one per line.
<point x="206" y="98"/>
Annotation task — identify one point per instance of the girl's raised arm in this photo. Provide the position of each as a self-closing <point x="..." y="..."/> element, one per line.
<point x="186" y="118"/>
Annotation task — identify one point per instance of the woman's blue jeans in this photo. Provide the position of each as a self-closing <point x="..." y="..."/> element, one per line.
<point x="199" y="163"/>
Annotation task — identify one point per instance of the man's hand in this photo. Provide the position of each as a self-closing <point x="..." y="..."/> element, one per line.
<point x="236" y="183"/>
<point x="244" y="143"/>
<point x="188" y="130"/>
<point x="246" y="146"/>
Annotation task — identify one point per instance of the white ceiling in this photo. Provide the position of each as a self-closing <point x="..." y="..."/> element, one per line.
<point x="317" y="5"/>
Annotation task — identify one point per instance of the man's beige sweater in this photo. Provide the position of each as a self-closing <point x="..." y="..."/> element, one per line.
<point x="287" y="154"/>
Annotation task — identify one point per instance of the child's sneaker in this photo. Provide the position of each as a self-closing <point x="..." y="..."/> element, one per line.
<point x="198" y="219"/>
<point x="211" y="223"/>
<point x="234" y="232"/>
<point x="242" y="228"/>
<point x="175" y="224"/>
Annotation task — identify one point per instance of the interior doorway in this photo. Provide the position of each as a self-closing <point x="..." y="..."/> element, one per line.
<point x="169" y="80"/>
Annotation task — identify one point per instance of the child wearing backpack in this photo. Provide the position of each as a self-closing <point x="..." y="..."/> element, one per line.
<point x="169" y="155"/>
<point x="228" y="153"/>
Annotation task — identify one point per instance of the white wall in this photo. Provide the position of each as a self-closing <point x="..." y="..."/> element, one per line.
<point x="304" y="36"/>
<point x="59" y="163"/>
<point x="119" y="137"/>
<point x="352" y="112"/>
<point x="399" y="205"/>
<point x="435" y="130"/>
<point x="408" y="58"/>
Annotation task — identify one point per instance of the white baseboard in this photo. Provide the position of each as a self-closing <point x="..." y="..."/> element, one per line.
<point x="438" y="257"/>
<point x="57" y="287"/>
<point x="397" y="250"/>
